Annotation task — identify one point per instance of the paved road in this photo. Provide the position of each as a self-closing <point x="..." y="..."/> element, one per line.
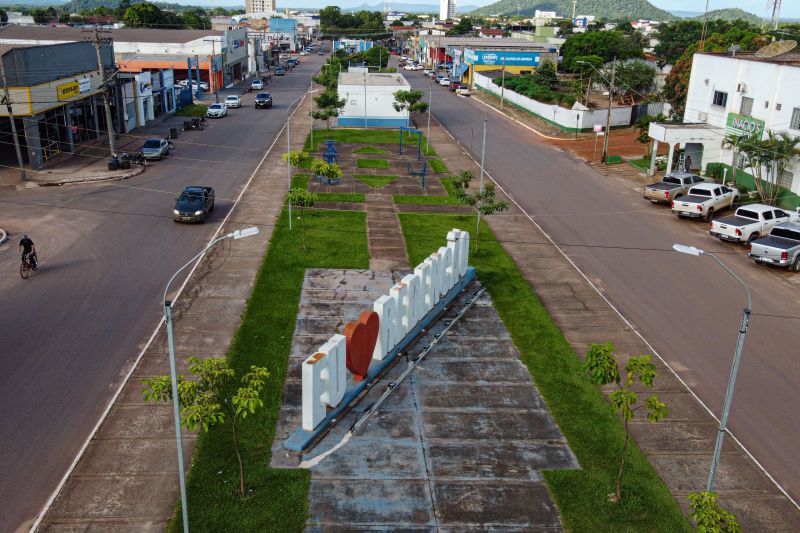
<point x="688" y="308"/>
<point x="71" y="331"/>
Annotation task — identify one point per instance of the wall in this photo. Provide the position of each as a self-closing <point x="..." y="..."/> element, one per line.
<point x="380" y="111"/>
<point x="566" y="119"/>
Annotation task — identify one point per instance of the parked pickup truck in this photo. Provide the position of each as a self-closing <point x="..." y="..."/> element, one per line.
<point x="780" y="248"/>
<point x="672" y="186"/>
<point x="705" y="199"/>
<point x="194" y="204"/>
<point x="750" y="223"/>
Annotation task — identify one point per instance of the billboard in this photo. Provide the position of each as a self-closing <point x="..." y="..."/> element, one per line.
<point x="508" y="58"/>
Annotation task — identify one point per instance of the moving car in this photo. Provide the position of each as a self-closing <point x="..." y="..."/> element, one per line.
<point x="194" y="204"/>
<point x="257" y="85"/>
<point x="670" y="187"/>
<point x="444" y="82"/>
<point x="408" y="66"/>
<point x="750" y="223"/>
<point x="216" y="111"/>
<point x="263" y="100"/>
<point x="155" y="148"/>
<point x="319" y="53"/>
<point x="280" y="71"/>
<point x="704" y="199"/>
<point x="780" y="248"/>
<point x="462" y="91"/>
<point x="233" y="101"/>
<point x="454" y="85"/>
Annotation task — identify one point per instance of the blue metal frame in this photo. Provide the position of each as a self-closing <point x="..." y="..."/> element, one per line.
<point x="300" y="439"/>
<point x="419" y="141"/>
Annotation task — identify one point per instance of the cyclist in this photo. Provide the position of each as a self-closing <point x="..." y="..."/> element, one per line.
<point x="28" y="249"/>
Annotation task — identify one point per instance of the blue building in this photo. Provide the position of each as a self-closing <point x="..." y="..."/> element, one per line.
<point x="353" y="45"/>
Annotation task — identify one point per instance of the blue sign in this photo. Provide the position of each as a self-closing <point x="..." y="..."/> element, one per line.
<point x="508" y="58"/>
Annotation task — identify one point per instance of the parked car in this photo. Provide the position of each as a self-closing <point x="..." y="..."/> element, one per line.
<point x="417" y="66"/>
<point x="750" y="223"/>
<point x="280" y="71"/>
<point x="263" y="100"/>
<point x="257" y="85"/>
<point x="194" y="204"/>
<point x="671" y="186"/>
<point x="408" y="66"/>
<point x="426" y="72"/>
<point x="780" y="248"/>
<point x="304" y="53"/>
<point x="155" y="148"/>
<point x="193" y="83"/>
<point x="319" y="53"/>
<point x="444" y="82"/>
<point x="438" y="78"/>
<point x="454" y="85"/>
<point x="293" y="62"/>
<point x="233" y="101"/>
<point x="462" y="91"/>
<point x="216" y="111"/>
<point x="704" y="199"/>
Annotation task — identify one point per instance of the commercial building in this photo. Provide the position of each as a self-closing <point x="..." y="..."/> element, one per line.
<point x="735" y="95"/>
<point x="259" y="6"/>
<point x="55" y="95"/>
<point x="370" y="99"/>
<point x="447" y="9"/>
<point x="353" y="45"/>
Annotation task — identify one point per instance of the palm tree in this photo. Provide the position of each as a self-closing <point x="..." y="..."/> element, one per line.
<point x="768" y="159"/>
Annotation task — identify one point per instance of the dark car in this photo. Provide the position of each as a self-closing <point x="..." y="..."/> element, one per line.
<point x="293" y="62"/>
<point x="263" y="100"/>
<point x="194" y="204"/>
<point x="280" y="71"/>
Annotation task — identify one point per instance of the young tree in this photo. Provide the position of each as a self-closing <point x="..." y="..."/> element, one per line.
<point x="483" y="202"/>
<point x="295" y="157"/>
<point x="302" y="198"/>
<point x="768" y="159"/>
<point x="709" y="516"/>
<point x="410" y="101"/>
<point x="211" y="397"/>
<point x="602" y="367"/>
<point x="643" y="127"/>
<point x="329" y="106"/>
<point x="633" y="76"/>
<point x="587" y="67"/>
<point x="545" y="74"/>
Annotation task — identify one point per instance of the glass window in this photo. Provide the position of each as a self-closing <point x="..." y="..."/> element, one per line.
<point x="779" y="213"/>
<point x="795" y="122"/>
<point x="720" y="99"/>
<point x="746" y="107"/>
<point x="718" y="191"/>
<point x="767" y="215"/>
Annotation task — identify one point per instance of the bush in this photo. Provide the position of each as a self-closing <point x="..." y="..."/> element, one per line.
<point x="527" y="86"/>
<point x="716" y="171"/>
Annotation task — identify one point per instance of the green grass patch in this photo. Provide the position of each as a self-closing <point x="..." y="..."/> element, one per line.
<point x="376" y="182"/>
<point x="641" y="164"/>
<point x="372" y="163"/>
<point x="367" y="136"/>
<point x="192" y="110"/>
<point x="370" y="150"/>
<point x="300" y="181"/>
<point x="430" y="199"/>
<point x="437" y="166"/>
<point x="346" y="197"/>
<point x="582" y="412"/>
<point x="278" y="500"/>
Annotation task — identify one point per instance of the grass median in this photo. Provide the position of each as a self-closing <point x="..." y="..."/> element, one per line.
<point x="376" y="182"/>
<point x="430" y="199"/>
<point x="582" y="412"/>
<point x="372" y="163"/>
<point x="279" y="496"/>
<point x="302" y="180"/>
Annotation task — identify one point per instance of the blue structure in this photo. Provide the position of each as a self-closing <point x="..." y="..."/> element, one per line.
<point x="419" y="141"/>
<point x="332" y="155"/>
<point x="352" y="45"/>
<point x="280" y="25"/>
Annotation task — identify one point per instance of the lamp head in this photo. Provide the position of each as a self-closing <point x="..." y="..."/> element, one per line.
<point x="242" y="233"/>
<point x="691" y="250"/>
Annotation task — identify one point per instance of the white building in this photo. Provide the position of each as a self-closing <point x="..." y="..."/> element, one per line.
<point x="259" y="6"/>
<point x="370" y="99"/>
<point x="447" y="9"/>
<point x="736" y="95"/>
<point x="546" y="15"/>
<point x="15" y="17"/>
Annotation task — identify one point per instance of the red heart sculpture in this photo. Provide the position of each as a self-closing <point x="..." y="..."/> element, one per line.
<point x="361" y="336"/>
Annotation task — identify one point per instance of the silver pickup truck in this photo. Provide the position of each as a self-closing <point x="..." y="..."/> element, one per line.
<point x="780" y="248"/>
<point x="670" y="187"/>
<point x="704" y="200"/>
<point x="750" y="223"/>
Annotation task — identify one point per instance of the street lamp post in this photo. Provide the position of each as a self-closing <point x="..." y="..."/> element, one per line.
<point x="176" y="409"/>
<point x="430" y="104"/>
<point x="737" y="356"/>
<point x="483" y="155"/>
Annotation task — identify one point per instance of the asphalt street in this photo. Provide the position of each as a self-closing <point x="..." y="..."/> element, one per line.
<point x="70" y="333"/>
<point x="688" y="308"/>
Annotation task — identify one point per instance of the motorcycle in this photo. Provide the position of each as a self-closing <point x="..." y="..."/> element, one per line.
<point x="195" y="124"/>
<point x="138" y="158"/>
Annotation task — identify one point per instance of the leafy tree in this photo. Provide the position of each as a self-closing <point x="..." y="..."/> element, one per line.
<point x="545" y="74"/>
<point x="122" y="7"/>
<point x="768" y="159"/>
<point x="464" y="26"/>
<point x="709" y="516"/>
<point x="329" y="16"/>
<point x="602" y="367"/>
<point x="606" y="44"/>
<point x="410" y="101"/>
<point x="565" y="28"/>
<point x="643" y="127"/>
<point x="329" y="106"/>
<point x="303" y="199"/>
<point x="3" y="16"/>
<point x="632" y="77"/>
<point x="483" y="202"/>
<point x="396" y="23"/>
<point x="144" y="14"/>
<point x="211" y="397"/>
<point x="196" y="19"/>
<point x="588" y="67"/>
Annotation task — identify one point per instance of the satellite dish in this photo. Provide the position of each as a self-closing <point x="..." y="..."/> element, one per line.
<point x="775" y="49"/>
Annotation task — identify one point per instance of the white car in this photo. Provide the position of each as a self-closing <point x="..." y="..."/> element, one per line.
<point x="417" y="66"/>
<point x="444" y="82"/>
<point x="462" y="91"/>
<point x="233" y="101"/>
<point x="216" y="111"/>
<point x="408" y="66"/>
<point x="304" y="53"/>
<point x="427" y="72"/>
<point x="257" y="85"/>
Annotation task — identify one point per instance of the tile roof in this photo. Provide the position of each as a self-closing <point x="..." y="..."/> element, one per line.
<point x="141" y="35"/>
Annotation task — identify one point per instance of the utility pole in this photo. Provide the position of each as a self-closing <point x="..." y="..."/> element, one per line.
<point x="608" y="115"/>
<point x="112" y="143"/>
<point x="213" y="71"/>
<point x="430" y="105"/>
<point x="503" y="84"/>
<point x="7" y="101"/>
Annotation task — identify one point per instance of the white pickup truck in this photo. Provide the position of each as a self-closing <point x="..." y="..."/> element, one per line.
<point x="749" y="223"/>
<point x="780" y="248"/>
<point x="704" y="200"/>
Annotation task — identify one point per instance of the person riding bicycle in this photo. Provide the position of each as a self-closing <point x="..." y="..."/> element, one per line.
<point x="28" y="250"/>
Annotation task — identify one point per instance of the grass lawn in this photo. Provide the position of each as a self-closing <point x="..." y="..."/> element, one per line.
<point x="437" y="166"/>
<point x="582" y="412"/>
<point x="302" y="180"/>
<point x="641" y="164"/>
<point x="429" y="199"/>
<point x="370" y="150"/>
<point x="278" y="502"/>
<point x="366" y="136"/>
<point x="376" y="182"/>
<point x="192" y="110"/>
<point x="372" y="163"/>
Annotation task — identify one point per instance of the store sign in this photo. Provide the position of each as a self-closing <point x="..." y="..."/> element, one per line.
<point x="379" y="330"/>
<point x="68" y="90"/>
<point x="508" y="58"/>
<point x="743" y="125"/>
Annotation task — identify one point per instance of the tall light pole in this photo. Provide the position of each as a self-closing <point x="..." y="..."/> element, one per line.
<point x="483" y="155"/>
<point x="737" y="356"/>
<point x="430" y="105"/>
<point x="176" y="408"/>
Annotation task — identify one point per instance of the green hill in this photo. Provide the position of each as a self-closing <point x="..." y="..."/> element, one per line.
<point x="607" y="9"/>
<point x="731" y="14"/>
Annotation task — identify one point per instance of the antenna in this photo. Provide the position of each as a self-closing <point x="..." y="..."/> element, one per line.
<point x="574" y="5"/>
<point x="776" y="11"/>
<point x="775" y="49"/>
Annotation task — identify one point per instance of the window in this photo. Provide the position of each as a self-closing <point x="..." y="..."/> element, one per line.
<point x="795" y="122"/>
<point x="746" y="107"/>
<point x="781" y="214"/>
<point x="786" y="179"/>
<point x="767" y="215"/>
<point x="720" y="99"/>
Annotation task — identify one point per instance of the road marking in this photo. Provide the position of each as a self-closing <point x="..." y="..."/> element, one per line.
<point x="627" y="322"/>
<point x="116" y="395"/>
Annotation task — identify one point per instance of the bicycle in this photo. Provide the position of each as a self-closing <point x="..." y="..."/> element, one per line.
<point x="26" y="266"/>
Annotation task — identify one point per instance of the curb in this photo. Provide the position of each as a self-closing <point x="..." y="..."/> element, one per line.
<point x="138" y="170"/>
<point x="3" y="236"/>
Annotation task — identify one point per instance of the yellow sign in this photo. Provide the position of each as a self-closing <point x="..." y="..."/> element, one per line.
<point x="65" y="91"/>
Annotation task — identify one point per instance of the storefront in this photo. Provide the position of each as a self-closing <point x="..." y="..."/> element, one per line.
<point x="235" y="55"/>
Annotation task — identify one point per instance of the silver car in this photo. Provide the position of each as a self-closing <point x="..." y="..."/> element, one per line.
<point x="155" y="148"/>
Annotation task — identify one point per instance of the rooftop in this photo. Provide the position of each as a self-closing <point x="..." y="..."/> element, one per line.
<point x="141" y="35"/>
<point x="6" y="48"/>
<point x="789" y="58"/>
<point x="373" y="79"/>
<point x="440" y="41"/>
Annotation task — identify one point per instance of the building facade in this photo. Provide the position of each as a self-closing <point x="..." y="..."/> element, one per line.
<point x="369" y="99"/>
<point x="447" y="9"/>
<point x="259" y="6"/>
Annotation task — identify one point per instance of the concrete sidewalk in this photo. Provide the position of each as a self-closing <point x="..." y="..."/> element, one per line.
<point x="127" y="478"/>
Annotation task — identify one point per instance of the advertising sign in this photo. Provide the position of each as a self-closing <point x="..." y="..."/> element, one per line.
<point x="68" y="90"/>
<point x="502" y="57"/>
<point x="743" y="125"/>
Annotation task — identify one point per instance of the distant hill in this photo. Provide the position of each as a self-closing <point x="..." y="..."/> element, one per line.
<point x="409" y="8"/>
<point x="732" y="14"/>
<point x="608" y="9"/>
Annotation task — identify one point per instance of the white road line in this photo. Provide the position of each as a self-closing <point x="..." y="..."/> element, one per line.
<point x="103" y="416"/>
<point x="627" y="322"/>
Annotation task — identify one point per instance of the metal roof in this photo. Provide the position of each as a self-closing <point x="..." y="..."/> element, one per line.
<point x="6" y="48"/>
<point x="373" y="79"/>
<point x="791" y="59"/>
<point x="441" y="41"/>
<point x="69" y="34"/>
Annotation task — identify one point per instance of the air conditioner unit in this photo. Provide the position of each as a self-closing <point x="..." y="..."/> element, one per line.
<point x="702" y="116"/>
<point x="741" y="88"/>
